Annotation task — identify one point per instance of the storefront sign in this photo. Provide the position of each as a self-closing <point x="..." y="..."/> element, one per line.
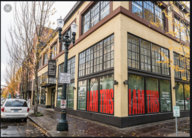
<point x="63" y="104"/>
<point x="65" y="78"/>
<point x="137" y="101"/>
<point x="52" y="68"/>
<point x="106" y="101"/>
<point x="176" y="111"/>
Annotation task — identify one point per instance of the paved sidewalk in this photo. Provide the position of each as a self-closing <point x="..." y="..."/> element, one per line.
<point x="80" y="127"/>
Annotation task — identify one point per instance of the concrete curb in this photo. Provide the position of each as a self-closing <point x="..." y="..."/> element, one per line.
<point x="47" y="133"/>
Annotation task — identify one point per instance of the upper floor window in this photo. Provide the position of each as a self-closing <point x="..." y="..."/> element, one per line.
<point x="45" y="59"/>
<point x="95" y="14"/>
<point x="71" y="67"/>
<point x="181" y="30"/>
<point x="145" y="55"/>
<point x="149" y="11"/>
<point x="181" y="63"/>
<point x="54" y="51"/>
<point x="98" y="57"/>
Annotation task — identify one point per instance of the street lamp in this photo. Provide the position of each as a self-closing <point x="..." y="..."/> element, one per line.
<point x="63" y="125"/>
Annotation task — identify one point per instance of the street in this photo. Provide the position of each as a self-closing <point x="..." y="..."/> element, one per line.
<point x="18" y="128"/>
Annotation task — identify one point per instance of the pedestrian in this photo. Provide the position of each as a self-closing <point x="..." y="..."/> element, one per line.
<point x="29" y="102"/>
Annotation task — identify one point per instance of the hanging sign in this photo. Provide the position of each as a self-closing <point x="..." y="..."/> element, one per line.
<point x="64" y="78"/>
<point x="52" y="68"/>
<point x="63" y="104"/>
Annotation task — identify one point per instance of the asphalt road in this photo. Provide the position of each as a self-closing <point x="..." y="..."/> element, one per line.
<point x="18" y="128"/>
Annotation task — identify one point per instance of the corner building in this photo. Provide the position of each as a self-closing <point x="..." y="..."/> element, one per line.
<point x="115" y="77"/>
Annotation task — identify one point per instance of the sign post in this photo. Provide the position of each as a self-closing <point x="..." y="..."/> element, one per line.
<point x="65" y="78"/>
<point x="176" y="113"/>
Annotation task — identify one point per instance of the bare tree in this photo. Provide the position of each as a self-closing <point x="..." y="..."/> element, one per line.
<point x="28" y="33"/>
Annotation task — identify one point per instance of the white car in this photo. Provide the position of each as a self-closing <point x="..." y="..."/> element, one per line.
<point x="15" y="109"/>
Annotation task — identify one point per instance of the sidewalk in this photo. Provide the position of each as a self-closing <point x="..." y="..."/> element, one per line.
<point x="80" y="127"/>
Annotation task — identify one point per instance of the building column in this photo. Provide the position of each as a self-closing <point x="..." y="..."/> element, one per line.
<point x="120" y="70"/>
<point x="172" y="79"/>
<point x="76" y="81"/>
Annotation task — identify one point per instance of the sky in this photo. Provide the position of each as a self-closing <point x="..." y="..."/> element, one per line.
<point x="7" y="17"/>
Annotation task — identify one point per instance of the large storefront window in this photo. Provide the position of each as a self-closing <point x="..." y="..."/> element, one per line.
<point x="136" y="99"/>
<point x="187" y="96"/>
<point x="98" y="94"/>
<point x="82" y="87"/>
<point x="43" y="96"/>
<point x="70" y="95"/>
<point x="165" y="95"/>
<point x="59" y="95"/>
<point x="92" y="95"/>
<point x="106" y="94"/>
<point x="179" y="95"/>
<point x="152" y="95"/>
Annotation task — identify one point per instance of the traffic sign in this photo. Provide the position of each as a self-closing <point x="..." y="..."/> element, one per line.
<point x="65" y="78"/>
<point x="176" y="111"/>
<point x="63" y="104"/>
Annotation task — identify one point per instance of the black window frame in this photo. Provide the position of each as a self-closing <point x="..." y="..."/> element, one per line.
<point x="180" y="34"/>
<point x="145" y="99"/>
<point x="111" y="72"/>
<point x="88" y="15"/>
<point x="151" y="43"/>
<point x="154" y="10"/>
<point x="55" y="52"/>
<point x="186" y="68"/>
<point x="103" y="54"/>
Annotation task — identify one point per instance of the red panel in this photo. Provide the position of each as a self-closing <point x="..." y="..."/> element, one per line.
<point x="134" y="102"/>
<point x="107" y="101"/>
<point x="87" y="100"/>
<point x="129" y="101"/>
<point x="101" y="94"/>
<point x="111" y="100"/>
<point x="143" y="101"/>
<point x="157" y="95"/>
<point x="96" y="101"/>
<point x="148" y="92"/>
<point x="90" y="105"/>
<point x="139" y="102"/>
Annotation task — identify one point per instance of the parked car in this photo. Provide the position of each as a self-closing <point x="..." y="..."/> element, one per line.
<point x="15" y="109"/>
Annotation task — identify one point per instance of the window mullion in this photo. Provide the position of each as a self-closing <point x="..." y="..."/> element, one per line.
<point x="160" y="60"/>
<point x="143" y="9"/>
<point x="154" y="11"/>
<point x="151" y="55"/>
<point x="99" y="10"/>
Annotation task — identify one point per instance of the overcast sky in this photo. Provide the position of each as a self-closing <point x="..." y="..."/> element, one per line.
<point x="6" y="17"/>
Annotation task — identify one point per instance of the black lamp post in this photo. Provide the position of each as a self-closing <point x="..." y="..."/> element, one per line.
<point x="63" y="125"/>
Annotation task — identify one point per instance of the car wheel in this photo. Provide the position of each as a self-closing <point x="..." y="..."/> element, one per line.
<point x="25" y="120"/>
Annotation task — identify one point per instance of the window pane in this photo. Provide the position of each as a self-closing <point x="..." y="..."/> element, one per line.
<point x="104" y="9"/>
<point x="137" y="8"/>
<point x="152" y="95"/>
<point x="70" y="95"/>
<point x="106" y="94"/>
<point x="59" y="95"/>
<point x="165" y="95"/>
<point x="95" y="15"/>
<point x="136" y="98"/>
<point x="92" y="95"/>
<point x="179" y="95"/>
<point x="187" y="96"/>
<point x="43" y="96"/>
<point x="148" y="11"/>
<point x="82" y="88"/>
